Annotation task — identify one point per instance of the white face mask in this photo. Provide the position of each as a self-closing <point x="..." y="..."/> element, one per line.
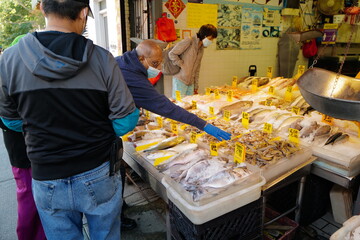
<point x="206" y="42"/>
<point x="151" y="71"/>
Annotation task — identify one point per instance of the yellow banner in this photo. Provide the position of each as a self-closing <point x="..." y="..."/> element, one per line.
<point x="201" y="14"/>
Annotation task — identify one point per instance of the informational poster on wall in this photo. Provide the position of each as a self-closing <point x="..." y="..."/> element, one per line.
<point x="229" y="25"/>
<point x="271" y="23"/>
<point x="251" y="28"/>
<point x="200" y="14"/>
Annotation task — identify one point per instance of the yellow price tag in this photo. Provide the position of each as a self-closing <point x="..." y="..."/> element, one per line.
<point x="193" y="137"/>
<point x="327" y="119"/>
<point x="160" y="122"/>
<point x="229" y="96"/>
<point x="174" y="128"/>
<point x="183" y="126"/>
<point x="193" y="105"/>
<point x="207" y="91"/>
<point x="213" y="149"/>
<point x="125" y="138"/>
<point x="227" y="115"/>
<point x="245" y="120"/>
<point x="178" y="96"/>
<point x="254" y="84"/>
<point x="217" y="94"/>
<point x="147" y="114"/>
<point x="301" y="69"/>
<point x="161" y="159"/>
<point x="268" y="127"/>
<point x="234" y="81"/>
<point x="145" y="146"/>
<point x="239" y="154"/>
<point x="271" y="90"/>
<point x="288" y="94"/>
<point x="294" y="135"/>
<point x="295" y="110"/>
<point x="269" y="72"/>
<point x="211" y="110"/>
<point x="268" y="102"/>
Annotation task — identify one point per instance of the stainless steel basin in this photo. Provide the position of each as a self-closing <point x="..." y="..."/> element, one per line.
<point x="342" y="100"/>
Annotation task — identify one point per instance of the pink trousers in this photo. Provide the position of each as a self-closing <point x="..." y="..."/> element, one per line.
<point x="28" y="226"/>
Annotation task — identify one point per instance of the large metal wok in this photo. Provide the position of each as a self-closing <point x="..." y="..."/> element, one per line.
<point x="335" y="97"/>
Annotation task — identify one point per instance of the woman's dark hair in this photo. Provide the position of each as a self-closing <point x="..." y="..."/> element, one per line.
<point x="63" y="8"/>
<point x="206" y="31"/>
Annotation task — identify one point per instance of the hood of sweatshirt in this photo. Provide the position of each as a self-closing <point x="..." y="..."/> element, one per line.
<point x="59" y="58"/>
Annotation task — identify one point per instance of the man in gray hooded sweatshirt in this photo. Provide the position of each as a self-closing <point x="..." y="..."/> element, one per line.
<point x="70" y="100"/>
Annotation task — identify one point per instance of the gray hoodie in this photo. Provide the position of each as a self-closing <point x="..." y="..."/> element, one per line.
<point x="67" y="93"/>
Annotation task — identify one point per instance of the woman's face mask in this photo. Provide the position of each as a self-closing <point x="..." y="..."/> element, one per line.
<point x="206" y="42"/>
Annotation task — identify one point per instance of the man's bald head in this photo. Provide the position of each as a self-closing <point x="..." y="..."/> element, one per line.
<point x="149" y="54"/>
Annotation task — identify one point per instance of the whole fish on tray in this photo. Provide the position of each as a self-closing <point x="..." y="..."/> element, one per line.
<point x="166" y="143"/>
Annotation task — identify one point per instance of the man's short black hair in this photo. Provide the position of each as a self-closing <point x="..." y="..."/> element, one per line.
<point x="206" y="31"/>
<point x="64" y="8"/>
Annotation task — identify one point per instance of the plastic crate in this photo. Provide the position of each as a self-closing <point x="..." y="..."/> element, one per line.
<point x="243" y="223"/>
<point x="284" y="221"/>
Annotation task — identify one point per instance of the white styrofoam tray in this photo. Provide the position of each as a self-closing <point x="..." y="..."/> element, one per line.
<point x="204" y="213"/>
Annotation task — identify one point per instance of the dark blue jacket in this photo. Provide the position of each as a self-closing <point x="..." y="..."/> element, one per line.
<point x="146" y="96"/>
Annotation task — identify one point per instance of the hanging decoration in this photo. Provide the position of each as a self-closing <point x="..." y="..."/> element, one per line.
<point x="175" y="7"/>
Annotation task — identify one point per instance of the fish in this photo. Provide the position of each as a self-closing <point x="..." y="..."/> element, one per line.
<point x="306" y="131"/>
<point x="288" y="121"/>
<point x="184" y="158"/>
<point x="259" y="114"/>
<point x="296" y="101"/>
<point x="332" y="138"/>
<point x="236" y="107"/>
<point x="324" y="129"/>
<point x="203" y="170"/>
<point x="167" y="143"/>
<point x="343" y="138"/>
<point x="147" y="134"/>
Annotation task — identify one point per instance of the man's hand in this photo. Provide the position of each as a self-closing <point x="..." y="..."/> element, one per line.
<point x="217" y="132"/>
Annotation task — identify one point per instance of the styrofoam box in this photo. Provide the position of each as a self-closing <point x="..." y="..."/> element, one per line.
<point x="352" y="224"/>
<point x="215" y="208"/>
<point x="215" y="194"/>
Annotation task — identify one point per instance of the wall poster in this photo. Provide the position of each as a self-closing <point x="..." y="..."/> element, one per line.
<point x="271" y="23"/>
<point x="251" y="27"/>
<point x="200" y="14"/>
<point x="229" y="24"/>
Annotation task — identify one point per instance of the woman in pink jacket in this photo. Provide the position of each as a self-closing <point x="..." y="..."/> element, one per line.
<point x="187" y="54"/>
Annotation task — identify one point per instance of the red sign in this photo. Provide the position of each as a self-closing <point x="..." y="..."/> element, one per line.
<point x="175" y="7"/>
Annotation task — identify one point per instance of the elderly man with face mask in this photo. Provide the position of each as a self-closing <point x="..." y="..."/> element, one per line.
<point x="70" y="100"/>
<point x="143" y="63"/>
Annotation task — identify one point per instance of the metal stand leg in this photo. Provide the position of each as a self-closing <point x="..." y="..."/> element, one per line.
<point x="263" y="211"/>
<point x="168" y="228"/>
<point x="300" y="194"/>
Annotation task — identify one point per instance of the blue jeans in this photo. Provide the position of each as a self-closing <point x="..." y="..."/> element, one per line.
<point x="184" y="89"/>
<point x="61" y="204"/>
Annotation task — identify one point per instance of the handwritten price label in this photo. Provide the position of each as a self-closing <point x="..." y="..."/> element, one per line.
<point x="268" y="102"/>
<point x="229" y="96"/>
<point x="174" y="128"/>
<point x="193" y="105"/>
<point x="254" y="85"/>
<point x="245" y="120"/>
<point x="288" y="94"/>
<point x="301" y="69"/>
<point x="227" y="115"/>
<point x="239" y="154"/>
<point x="207" y="91"/>
<point x="147" y="114"/>
<point x="295" y="110"/>
<point x="234" y="81"/>
<point x="271" y="90"/>
<point x="193" y="137"/>
<point x="327" y="119"/>
<point x="269" y="72"/>
<point x="268" y="127"/>
<point x="294" y="135"/>
<point x="217" y="94"/>
<point x="213" y="149"/>
<point x="211" y="110"/>
<point x="160" y="122"/>
<point x="178" y="96"/>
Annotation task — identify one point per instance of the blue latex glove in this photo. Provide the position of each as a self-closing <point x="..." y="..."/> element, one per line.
<point x="217" y="132"/>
